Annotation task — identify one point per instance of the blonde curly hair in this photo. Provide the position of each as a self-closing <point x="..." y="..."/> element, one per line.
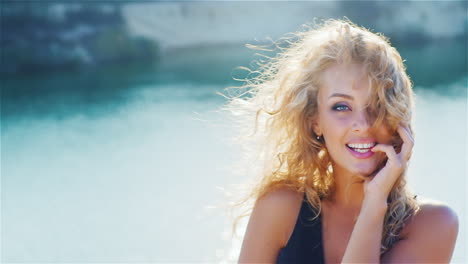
<point x="282" y="96"/>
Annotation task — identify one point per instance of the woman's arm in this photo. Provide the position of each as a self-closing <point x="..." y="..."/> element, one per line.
<point x="364" y="243"/>
<point x="431" y="237"/>
<point x="433" y="231"/>
<point x="270" y="226"/>
<point x="365" y="240"/>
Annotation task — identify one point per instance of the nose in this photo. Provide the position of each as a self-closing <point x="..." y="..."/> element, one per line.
<point x="361" y="121"/>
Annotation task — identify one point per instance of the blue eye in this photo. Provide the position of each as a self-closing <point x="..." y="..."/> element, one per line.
<point x="340" y="107"/>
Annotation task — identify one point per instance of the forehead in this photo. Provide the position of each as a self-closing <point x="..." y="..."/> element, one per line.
<point x="344" y="78"/>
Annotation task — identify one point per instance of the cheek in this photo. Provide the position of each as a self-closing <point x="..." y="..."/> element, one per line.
<point x="335" y="126"/>
<point x="335" y="135"/>
<point x="386" y="137"/>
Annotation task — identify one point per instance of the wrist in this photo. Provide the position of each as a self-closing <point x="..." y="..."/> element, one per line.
<point x="375" y="204"/>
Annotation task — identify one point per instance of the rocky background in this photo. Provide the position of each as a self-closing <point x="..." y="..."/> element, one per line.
<point x="42" y="37"/>
<point x="46" y="36"/>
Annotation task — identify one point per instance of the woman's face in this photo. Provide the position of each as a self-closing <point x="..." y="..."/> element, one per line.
<point x="344" y="123"/>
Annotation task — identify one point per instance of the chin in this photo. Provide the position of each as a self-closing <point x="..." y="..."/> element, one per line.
<point x="364" y="171"/>
<point x="364" y="168"/>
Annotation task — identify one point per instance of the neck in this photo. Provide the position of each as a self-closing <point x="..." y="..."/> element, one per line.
<point x="349" y="190"/>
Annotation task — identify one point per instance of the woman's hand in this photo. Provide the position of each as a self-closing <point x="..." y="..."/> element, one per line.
<point x="380" y="185"/>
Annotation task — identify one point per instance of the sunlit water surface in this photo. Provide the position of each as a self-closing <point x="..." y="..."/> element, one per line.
<point x="139" y="177"/>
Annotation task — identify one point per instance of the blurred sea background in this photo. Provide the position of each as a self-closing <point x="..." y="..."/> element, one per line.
<point x="112" y="145"/>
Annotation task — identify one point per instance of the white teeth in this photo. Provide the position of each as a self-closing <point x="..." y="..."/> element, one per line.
<point x="362" y="146"/>
<point x="361" y="150"/>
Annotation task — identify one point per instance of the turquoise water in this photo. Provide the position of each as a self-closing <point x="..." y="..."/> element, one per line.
<point x="127" y="164"/>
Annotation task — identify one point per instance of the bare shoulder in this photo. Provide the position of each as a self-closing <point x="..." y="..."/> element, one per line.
<point x="430" y="235"/>
<point x="280" y="207"/>
<point x="282" y="197"/>
<point x="434" y="214"/>
<point x="272" y="221"/>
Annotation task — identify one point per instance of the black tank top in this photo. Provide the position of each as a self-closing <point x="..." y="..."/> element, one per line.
<point x="305" y="243"/>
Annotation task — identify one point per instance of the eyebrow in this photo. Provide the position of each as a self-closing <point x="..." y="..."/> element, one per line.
<point x="341" y="95"/>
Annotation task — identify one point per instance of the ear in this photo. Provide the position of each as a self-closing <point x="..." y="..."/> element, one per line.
<point x="316" y="127"/>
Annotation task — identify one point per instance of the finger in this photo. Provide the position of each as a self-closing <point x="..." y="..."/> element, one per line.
<point x="407" y="132"/>
<point x="408" y="142"/>
<point x="389" y="151"/>
<point x="393" y="166"/>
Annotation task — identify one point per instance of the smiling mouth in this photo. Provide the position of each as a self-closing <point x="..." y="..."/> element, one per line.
<point x="361" y="148"/>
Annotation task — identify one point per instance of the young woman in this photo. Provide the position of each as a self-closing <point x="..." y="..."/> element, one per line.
<point x="333" y="111"/>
